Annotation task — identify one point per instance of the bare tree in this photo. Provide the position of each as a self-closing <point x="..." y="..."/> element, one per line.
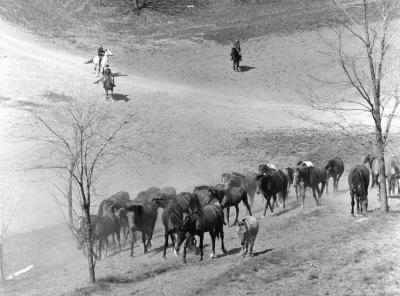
<point x="367" y="71"/>
<point x="8" y="212"/>
<point x="87" y="140"/>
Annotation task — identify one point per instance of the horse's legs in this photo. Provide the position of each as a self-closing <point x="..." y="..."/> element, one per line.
<point x="266" y="205"/>
<point x="173" y="243"/>
<point x="165" y="243"/>
<point x="201" y="246"/>
<point x="358" y="205"/>
<point x="144" y="241"/>
<point x="237" y="215"/>
<point x="212" y="235"/>
<point x="188" y="239"/>
<point x="271" y="206"/>
<point x="133" y="240"/>
<point x="227" y="214"/>
<point x="297" y="192"/>
<point x="322" y="189"/>
<point x="150" y="236"/>
<point x="119" y="239"/>
<point x="221" y="236"/>
<point x="315" y="194"/>
<point x="352" y="202"/>
<point x="246" y="203"/>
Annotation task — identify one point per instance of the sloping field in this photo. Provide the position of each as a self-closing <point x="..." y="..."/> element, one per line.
<point x="195" y="119"/>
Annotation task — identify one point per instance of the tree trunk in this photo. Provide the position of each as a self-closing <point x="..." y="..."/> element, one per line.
<point x="89" y="245"/>
<point x="1" y="262"/>
<point x="69" y="195"/>
<point x="382" y="176"/>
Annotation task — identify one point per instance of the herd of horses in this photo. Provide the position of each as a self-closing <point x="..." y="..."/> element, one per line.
<point x="187" y="215"/>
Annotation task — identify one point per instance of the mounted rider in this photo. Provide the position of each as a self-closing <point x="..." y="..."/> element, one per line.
<point x="100" y="53"/>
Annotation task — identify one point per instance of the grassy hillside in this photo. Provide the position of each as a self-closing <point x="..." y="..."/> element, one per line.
<point x="219" y="21"/>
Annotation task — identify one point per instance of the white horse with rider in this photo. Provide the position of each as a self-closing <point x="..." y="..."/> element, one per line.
<point x="100" y="65"/>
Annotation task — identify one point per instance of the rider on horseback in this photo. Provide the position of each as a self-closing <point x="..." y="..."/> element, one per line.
<point x="100" y="53"/>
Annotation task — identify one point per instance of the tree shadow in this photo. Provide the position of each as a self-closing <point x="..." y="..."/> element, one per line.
<point x="245" y="68"/>
<point x="255" y="254"/>
<point x="118" y="74"/>
<point x="120" y="97"/>
<point x="230" y="252"/>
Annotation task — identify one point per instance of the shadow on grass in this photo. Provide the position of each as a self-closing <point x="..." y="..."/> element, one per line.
<point x="230" y="252"/>
<point x="120" y="97"/>
<point x="245" y="68"/>
<point x="118" y="74"/>
<point x="255" y="254"/>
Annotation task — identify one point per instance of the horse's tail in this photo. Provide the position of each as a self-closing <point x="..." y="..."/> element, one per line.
<point x="361" y="177"/>
<point x="89" y="61"/>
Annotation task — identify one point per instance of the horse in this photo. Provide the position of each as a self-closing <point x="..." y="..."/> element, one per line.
<point x="392" y="170"/>
<point x="334" y="169"/>
<point x="247" y="233"/>
<point x="265" y="169"/>
<point x="205" y="219"/>
<point x="310" y="177"/>
<point x="81" y="232"/>
<point x="102" y="227"/>
<point x="358" y="179"/>
<point x="206" y="194"/>
<point x="99" y="67"/>
<point x="233" y="196"/>
<point x="246" y="182"/>
<point x="269" y="168"/>
<point x="115" y="208"/>
<point x="236" y="58"/>
<point x="144" y="220"/>
<point x="147" y="195"/>
<point x="172" y="218"/>
<point x="270" y="185"/>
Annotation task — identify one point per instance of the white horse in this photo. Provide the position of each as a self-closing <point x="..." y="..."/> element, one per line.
<point x="99" y="68"/>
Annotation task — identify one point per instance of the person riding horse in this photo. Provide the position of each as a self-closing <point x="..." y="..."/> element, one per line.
<point x="100" y="53"/>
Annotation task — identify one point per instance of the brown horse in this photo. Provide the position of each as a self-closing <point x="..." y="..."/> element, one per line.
<point x="312" y="177"/>
<point x="334" y="169"/>
<point x="358" y="183"/>
<point x="205" y="219"/>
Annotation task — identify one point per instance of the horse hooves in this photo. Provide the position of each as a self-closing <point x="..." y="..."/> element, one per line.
<point x="212" y="256"/>
<point x="224" y="251"/>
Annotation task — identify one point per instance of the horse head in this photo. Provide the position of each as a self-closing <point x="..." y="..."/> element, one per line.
<point x="108" y="52"/>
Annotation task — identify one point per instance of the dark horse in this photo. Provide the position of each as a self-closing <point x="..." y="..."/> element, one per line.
<point x="144" y="220"/>
<point x="236" y="58"/>
<point x="205" y="219"/>
<point x="310" y="177"/>
<point x="270" y="185"/>
<point x="334" y="169"/>
<point x="358" y="183"/>
<point x="246" y="182"/>
<point x="172" y="218"/>
<point x="231" y="197"/>
<point x="102" y="227"/>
